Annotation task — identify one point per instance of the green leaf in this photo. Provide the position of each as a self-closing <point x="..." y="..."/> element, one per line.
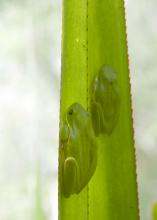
<point x="94" y="34"/>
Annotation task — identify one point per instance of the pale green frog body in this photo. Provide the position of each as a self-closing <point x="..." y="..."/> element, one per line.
<point x="78" y="150"/>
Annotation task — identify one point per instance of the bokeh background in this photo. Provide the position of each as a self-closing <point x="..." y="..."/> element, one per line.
<point x="30" y="51"/>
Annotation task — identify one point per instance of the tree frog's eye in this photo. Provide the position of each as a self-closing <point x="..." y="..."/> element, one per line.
<point x="70" y="112"/>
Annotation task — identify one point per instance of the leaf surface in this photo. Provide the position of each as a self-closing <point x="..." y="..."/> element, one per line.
<point x="93" y="35"/>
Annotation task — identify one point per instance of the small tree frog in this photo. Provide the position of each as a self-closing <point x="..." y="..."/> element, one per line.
<point x="78" y="151"/>
<point x="105" y="101"/>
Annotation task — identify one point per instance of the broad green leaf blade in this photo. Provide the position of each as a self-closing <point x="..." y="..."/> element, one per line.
<point x="93" y="35"/>
<point x="73" y="87"/>
<point x="113" y="188"/>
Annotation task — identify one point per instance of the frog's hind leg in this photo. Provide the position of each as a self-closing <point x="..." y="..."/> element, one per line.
<point x="96" y="118"/>
<point x="71" y="176"/>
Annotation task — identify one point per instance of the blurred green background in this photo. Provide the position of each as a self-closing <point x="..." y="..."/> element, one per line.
<point x="30" y="43"/>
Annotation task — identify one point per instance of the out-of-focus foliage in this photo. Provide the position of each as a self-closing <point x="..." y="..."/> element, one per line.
<point x="29" y="82"/>
<point x="142" y="38"/>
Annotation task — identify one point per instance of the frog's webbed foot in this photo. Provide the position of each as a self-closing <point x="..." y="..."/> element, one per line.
<point x="71" y="176"/>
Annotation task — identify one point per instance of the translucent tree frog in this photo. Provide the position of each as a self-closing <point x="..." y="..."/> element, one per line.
<point x="105" y="101"/>
<point x="78" y="150"/>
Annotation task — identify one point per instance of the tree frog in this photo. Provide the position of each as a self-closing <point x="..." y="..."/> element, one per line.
<point x="78" y="151"/>
<point x="105" y="101"/>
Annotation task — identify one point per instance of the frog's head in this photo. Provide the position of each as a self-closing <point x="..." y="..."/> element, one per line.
<point x="76" y="114"/>
<point x="107" y="74"/>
